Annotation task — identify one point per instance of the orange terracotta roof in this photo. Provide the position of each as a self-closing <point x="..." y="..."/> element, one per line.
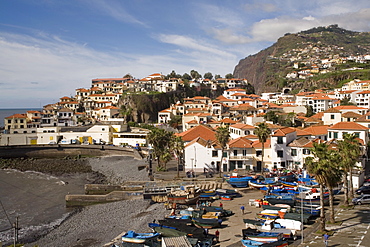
<point x="257" y="144"/>
<point x="346" y="107"/>
<point x="240" y="142"/>
<point x="241" y="126"/>
<point x="317" y="130"/>
<point x="17" y="115"/>
<point x="283" y="131"/>
<point x="203" y="131"/>
<point x="348" y="126"/>
<point x="228" y="120"/>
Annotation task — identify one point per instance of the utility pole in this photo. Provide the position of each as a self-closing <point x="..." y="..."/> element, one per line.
<point x="15" y="231"/>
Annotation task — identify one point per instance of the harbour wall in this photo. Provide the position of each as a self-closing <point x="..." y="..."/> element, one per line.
<point x="60" y="151"/>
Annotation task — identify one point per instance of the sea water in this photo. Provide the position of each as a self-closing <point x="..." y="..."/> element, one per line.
<point x="38" y="200"/>
<point x="8" y="112"/>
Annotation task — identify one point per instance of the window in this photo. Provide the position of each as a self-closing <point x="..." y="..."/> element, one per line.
<point x="259" y="152"/>
<point x="357" y="134"/>
<point x="224" y="154"/>
<point x="280" y="140"/>
<point x="306" y="151"/>
<point x="332" y="116"/>
<point x="9" y="121"/>
<point x="214" y="153"/>
<point x="335" y="134"/>
<point x="21" y="126"/>
<point x="329" y="134"/>
<point x="280" y="153"/>
<point x="294" y="152"/>
<point x="235" y="152"/>
<point x="244" y="152"/>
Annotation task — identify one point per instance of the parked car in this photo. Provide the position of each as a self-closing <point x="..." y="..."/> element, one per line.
<point x="363" y="190"/>
<point x="366" y="184"/>
<point x="365" y="198"/>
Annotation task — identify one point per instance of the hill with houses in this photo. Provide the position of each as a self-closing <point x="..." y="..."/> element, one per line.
<point x="308" y="60"/>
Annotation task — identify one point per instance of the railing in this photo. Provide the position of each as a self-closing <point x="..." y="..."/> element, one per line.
<point x="241" y="157"/>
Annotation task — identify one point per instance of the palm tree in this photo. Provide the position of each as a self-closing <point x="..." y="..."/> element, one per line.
<point x="349" y="151"/>
<point x="318" y="166"/>
<point x="262" y="131"/>
<point x="223" y="137"/>
<point x="160" y="139"/>
<point x="177" y="146"/>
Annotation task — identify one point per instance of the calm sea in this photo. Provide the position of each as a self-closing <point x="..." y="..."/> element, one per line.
<point x="8" y="112"/>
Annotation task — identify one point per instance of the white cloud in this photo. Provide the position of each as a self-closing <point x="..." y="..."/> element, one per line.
<point x="115" y="10"/>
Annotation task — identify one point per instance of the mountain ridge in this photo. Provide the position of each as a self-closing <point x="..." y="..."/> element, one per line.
<point x="267" y="70"/>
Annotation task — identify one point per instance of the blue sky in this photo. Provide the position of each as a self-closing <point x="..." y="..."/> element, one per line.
<point x="50" y="47"/>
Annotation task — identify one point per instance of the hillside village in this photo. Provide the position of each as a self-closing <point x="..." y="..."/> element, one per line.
<point x="286" y="148"/>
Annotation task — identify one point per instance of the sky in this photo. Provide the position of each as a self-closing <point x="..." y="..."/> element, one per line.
<point x="49" y="48"/>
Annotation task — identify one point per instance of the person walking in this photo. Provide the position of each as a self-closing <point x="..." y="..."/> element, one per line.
<point x="217" y="234"/>
<point x="242" y="209"/>
<point x="326" y="238"/>
<point x="221" y="205"/>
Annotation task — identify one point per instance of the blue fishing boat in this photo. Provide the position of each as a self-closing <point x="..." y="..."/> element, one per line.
<point x="252" y="243"/>
<point x="263" y="237"/>
<point x="138" y="238"/>
<point x="239" y="181"/>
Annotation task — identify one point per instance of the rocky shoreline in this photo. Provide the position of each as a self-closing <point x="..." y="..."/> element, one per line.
<point x="99" y="224"/>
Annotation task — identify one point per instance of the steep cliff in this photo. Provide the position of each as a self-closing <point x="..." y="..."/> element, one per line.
<point x="267" y="70"/>
<point x="144" y="108"/>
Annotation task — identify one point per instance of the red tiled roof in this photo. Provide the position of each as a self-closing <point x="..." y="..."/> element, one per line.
<point x="198" y="131"/>
<point x="283" y="131"/>
<point x="240" y="142"/>
<point x="348" y="126"/>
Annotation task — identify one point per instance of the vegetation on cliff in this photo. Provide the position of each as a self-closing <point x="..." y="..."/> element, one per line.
<point x="268" y="69"/>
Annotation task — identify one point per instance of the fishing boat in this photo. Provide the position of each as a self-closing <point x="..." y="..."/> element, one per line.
<point x="138" y="238"/>
<point x="264" y="237"/>
<point x="206" y="223"/>
<point x="226" y="198"/>
<point x="268" y="214"/>
<point x="308" y="209"/>
<point x="304" y="218"/>
<point x="187" y="195"/>
<point x="239" y="181"/>
<point x="252" y="243"/>
<point x="274" y="201"/>
<point x="277" y="207"/>
<point x="290" y="224"/>
<point x="209" y="194"/>
<point x="262" y="183"/>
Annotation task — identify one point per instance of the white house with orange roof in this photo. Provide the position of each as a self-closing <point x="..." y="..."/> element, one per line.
<point x="229" y="92"/>
<point x="240" y="155"/>
<point x="239" y="130"/>
<point x="82" y="93"/>
<point x="351" y="108"/>
<point x="331" y="116"/>
<point x="73" y="105"/>
<point x="280" y="153"/>
<point x="107" y="112"/>
<point x="267" y="157"/>
<point x="190" y="120"/>
<point x="346" y="94"/>
<point x="339" y="129"/>
<point x="318" y="132"/>
<point x="165" y="116"/>
<point x="300" y="149"/>
<point x="363" y="99"/>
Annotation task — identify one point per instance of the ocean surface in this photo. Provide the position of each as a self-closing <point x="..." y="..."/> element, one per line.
<point x="38" y="200"/>
<point x="8" y="112"/>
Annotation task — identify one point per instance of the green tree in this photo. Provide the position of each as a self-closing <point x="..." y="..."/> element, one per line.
<point x="322" y="166"/>
<point x="272" y="116"/>
<point x="309" y="112"/>
<point x="223" y="137"/>
<point x="346" y="101"/>
<point x="262" y="131"/>
<point x="217" y="76"/>
<point x="349" y="151"/>
<point x="160" y="140"/>
<point x="186" y="76"/>
<point x="229" y="76"/>
<point x="175" y="121"/>
<point x="177" y="146"/>
<point x="208" y="75"/>
<point x="195" y="75"/>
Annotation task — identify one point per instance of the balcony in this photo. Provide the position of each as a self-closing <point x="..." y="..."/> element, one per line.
<point x="239" y="157"/>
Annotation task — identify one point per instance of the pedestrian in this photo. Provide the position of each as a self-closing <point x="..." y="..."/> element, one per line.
<point x="221" y="205"/>
<point x="205" y="232"/>
<point x="326" y="238"/>
<point x="242" y="209"/>
<point x="217" y="234"/>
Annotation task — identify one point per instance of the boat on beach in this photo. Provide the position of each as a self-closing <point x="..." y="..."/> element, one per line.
<point x="239" y="181"/>
<point x="138" y="238"/>
<point x="263" y="237"/>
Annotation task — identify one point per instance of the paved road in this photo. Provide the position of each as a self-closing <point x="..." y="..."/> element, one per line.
<point x="354" y="230"/>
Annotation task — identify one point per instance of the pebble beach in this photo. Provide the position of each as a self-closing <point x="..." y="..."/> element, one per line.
<point x="97" y="225"/>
